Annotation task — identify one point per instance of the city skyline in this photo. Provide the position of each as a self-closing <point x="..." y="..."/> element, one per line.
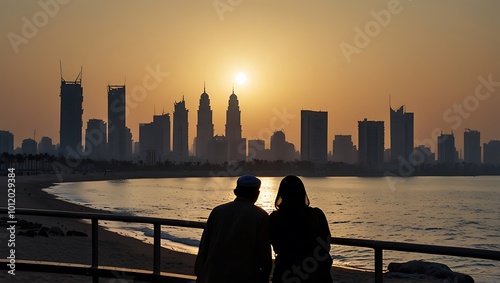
<point x="115" y="110"/>
<point x="445" y="69"/>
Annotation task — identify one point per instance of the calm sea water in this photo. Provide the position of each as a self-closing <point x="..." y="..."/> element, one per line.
<point x="450" y="211"/>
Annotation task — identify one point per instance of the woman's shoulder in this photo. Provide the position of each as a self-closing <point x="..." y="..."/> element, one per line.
<point x="316" y="211"/>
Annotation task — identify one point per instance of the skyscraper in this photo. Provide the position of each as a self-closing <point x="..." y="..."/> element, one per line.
<point x="46" y="146"/>
<point x="371" y="144"/>
<point x="6" y="142"/>
<point x="401" y="134"/>
<point x="280" y="148"/>
<point x="117" y="133"/>
<point x="29" y="146"/>
<point x="257" y="150"/>
<point x="491" y="152"/>
<point x="217" y="150"/>
<point x="95" y="140"/>
<point x="472" y="146"/>
<point x="180" y="151"/>
<point x="343" y="149"/>
<point x="236" y="145"/>
<point x="70" y="129"/>
<point x="162" y="124"/>
<point x="423" y="155"/>
<point x="314" y="136"/>
<point x="128" y="144"/>
<point x="154" y="139"/>
<point x="447" y="153"/>
<point x="205" y="127"/>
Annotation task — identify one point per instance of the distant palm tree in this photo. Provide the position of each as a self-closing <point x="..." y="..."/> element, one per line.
<point x="10" y="158"/>
<point x="19" y="161"/>
<point x="3" y="161"/>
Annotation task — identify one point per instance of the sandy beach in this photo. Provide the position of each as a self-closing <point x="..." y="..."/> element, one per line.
<point x="114" y="249"/>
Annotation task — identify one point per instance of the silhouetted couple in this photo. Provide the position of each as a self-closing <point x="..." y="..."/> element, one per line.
<point x="235" y="245"/>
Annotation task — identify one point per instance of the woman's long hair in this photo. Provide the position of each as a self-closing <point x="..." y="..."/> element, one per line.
<point x="291" y="193"/>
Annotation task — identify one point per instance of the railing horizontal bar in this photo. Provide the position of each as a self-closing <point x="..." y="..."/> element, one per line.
<point x="419" y="248"/>
<point x="107" y="216"/>
<point x="394" y="246"/>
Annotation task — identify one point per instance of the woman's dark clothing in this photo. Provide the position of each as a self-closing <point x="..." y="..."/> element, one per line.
<point x="301" y="240"/>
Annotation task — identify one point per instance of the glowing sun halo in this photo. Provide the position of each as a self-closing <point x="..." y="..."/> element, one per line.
<point x="241" y="78"/>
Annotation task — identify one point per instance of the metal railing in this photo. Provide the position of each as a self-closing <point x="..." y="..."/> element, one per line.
<point x="380" y="246"/>
<point x="97" y="271"/>
<point x="94" y="269"/>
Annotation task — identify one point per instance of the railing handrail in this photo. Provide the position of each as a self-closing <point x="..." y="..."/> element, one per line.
<point x="419" y="248"/>
<point x="109" y="217"/>
<point x="366" y="243"/>
<point x="378" y="246"/>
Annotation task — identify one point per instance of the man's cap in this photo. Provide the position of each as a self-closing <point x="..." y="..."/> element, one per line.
<point x="248" y="181"/>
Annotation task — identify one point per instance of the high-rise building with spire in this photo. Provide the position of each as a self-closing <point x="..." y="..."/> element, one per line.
<point x="117" y="131"/>
<point x="205" y="127"/>
<point x="401" y="134"/>
<point x="236" y="145"/>
<point x="180" y="151"/>
<point x="70" y="129"/>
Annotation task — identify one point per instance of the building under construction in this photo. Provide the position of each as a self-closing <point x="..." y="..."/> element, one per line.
<point x="71" y="116"/>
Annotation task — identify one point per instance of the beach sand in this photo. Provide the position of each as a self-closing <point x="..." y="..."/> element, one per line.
<point x="114" y="249"/>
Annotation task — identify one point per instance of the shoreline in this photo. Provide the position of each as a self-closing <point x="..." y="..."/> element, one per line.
<point x="114" y="249"/>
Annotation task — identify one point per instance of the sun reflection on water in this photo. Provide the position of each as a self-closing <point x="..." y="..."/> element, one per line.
<point x="268" y="190"/>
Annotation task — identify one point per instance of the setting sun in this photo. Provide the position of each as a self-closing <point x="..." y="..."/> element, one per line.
<point x="241" y="78"/>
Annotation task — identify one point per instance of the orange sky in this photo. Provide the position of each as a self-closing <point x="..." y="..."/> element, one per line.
<point x="426" y="55"/>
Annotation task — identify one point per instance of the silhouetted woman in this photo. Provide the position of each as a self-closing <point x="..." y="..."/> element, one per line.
<point x="300" y="236"/>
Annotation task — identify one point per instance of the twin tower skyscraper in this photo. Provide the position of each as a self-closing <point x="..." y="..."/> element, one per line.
<point x="154" y="137"/>
<point x="210" y="147"/>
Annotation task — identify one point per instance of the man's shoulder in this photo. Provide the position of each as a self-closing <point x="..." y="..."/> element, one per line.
<point x="261" y="210"/>
<point x="222" y="206"/>
<point x="240" y="205"/>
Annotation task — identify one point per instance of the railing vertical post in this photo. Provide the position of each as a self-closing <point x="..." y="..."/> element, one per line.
<point x="157" y="249"/>
<point x="95" y="250"/>
<point x="379" y="278"/>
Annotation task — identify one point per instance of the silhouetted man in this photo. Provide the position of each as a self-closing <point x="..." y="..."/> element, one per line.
<point x="235" y="245"/>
